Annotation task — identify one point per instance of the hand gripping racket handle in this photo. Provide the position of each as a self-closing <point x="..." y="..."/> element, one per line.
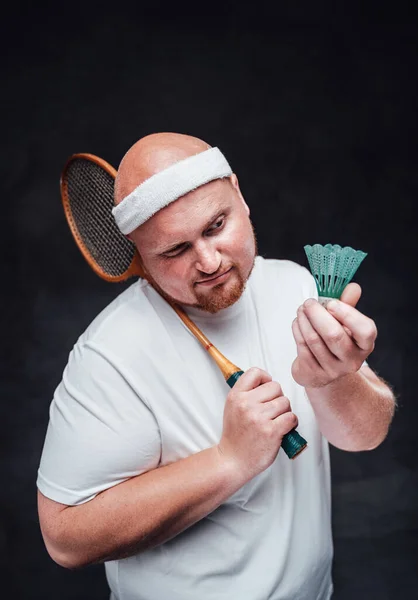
<point x="292" y="443"/>
<point x="87" y="184"/>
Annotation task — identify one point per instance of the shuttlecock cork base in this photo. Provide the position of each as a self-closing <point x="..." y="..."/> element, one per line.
<point x="333" y="267"/>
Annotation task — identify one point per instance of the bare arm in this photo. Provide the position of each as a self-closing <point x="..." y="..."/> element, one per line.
<point x="355" y="411"/>
<point x="354" y="407"/>
<point x="139" y="513"/>
<point x="151" y="508"/>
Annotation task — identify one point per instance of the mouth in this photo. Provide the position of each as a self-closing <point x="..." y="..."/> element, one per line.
<point x="215" y="280"/>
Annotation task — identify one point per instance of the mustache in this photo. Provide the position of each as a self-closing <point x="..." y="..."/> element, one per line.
<point x="214" y="276"/>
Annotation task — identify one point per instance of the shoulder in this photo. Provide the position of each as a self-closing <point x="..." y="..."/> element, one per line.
<point x="107" y="315"/>
<point x="125" y="319"/>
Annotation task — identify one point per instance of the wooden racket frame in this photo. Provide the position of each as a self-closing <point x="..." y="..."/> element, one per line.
<point x="135" y="268"/>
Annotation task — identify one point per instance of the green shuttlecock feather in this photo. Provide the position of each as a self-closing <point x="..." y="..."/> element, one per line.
<point x="333" y="267"/>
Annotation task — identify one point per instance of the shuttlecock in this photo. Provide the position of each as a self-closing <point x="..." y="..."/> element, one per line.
<point x="333" y="267"/>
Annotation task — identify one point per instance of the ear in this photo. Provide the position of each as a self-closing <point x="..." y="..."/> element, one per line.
<point x="234" y="180"/>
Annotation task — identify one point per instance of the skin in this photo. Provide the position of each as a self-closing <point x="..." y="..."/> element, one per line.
<point x="353" y="406"/>
<point x="188" y="244"/>
<point x="332" y="343"/>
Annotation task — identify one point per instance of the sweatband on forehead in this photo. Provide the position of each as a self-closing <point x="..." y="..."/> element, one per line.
<point x="168" y="185"/>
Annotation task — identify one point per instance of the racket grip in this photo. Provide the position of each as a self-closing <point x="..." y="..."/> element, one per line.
<point x="292" y="443"/>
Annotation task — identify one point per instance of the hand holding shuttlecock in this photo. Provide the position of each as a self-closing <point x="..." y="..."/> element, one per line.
<point x="333" y="338"/>
<point x="333" y="267"/>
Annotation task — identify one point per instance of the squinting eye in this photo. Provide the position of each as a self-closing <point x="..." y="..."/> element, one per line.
<point x="177" y="252"/>
<point x="217" y="225"/>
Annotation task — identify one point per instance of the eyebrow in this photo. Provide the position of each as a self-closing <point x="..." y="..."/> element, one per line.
<point x="209" y="222"/>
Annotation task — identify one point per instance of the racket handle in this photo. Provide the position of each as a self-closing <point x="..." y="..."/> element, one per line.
<point x="292" y="443"/>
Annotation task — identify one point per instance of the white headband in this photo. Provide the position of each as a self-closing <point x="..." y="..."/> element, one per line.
<point x="169" y="185"/>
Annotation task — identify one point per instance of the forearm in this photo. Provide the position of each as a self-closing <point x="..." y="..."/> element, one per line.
<point x="144" y="511"/>
<point x="354" y="412"/>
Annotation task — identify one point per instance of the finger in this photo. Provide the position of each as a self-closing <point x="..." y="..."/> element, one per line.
<point x="286" y="422"/>
<point x="351" y="294"/>
<point x="339" y="343"/>
<point x="268" y="391"/>
<point x="304" y="352"/>
<point x="316" y="344"/>
<point x="363" y="329"/>
<point x="276" y="407"/>
<point x="347" y="331"/>
<point x="251" y="379"/>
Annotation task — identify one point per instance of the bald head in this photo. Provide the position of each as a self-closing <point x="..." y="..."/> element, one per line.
<point x="152" y="154"/>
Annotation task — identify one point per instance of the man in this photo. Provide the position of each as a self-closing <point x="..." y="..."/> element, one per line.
<point x="149" y="464"/>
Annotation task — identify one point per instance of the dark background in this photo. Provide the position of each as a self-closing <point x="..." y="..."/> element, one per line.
<point x="314" y="106"/>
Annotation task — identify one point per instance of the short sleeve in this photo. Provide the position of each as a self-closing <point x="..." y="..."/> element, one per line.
<point x="100" y="432"/>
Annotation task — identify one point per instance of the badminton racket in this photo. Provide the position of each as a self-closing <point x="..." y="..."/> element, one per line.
<point x="87" y="193"/>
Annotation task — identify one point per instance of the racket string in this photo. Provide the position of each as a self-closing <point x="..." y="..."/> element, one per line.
<point x="90" y="198"/>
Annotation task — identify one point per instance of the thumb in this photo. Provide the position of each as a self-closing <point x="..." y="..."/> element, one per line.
<point x="351" y="294"/>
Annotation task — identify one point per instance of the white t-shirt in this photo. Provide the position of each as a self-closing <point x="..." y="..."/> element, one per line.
<point x="139" y="391"/>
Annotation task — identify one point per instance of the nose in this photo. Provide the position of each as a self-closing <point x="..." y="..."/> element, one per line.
<point x="208" y="259"/>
